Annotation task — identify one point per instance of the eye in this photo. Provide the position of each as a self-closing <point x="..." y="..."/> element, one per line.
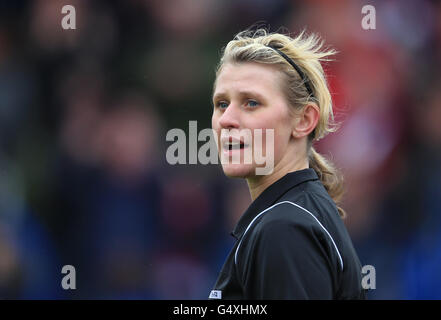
<point x="222" y="104"/>
<point x="252" y="103"/>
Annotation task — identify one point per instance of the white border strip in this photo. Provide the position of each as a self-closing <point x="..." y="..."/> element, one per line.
<point x="294" y="204"/>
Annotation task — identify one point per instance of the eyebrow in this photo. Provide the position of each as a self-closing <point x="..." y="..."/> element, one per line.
<point x="222" y="95"/>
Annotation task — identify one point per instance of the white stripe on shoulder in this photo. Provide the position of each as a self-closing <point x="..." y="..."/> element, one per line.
<point x="296" y="205"/>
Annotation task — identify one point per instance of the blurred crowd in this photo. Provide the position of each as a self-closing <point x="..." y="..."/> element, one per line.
<point x="83" y="119"/>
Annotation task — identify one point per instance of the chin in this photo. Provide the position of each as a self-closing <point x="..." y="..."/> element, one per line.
<point x="238" y="170"/>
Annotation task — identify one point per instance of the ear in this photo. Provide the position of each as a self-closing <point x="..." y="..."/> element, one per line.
<point x="306" y="121"/>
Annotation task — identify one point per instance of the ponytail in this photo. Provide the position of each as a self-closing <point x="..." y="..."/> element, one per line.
<point x="330" y="177"/>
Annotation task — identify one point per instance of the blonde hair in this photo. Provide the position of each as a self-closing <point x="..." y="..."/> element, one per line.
<point x="307" y="52"/>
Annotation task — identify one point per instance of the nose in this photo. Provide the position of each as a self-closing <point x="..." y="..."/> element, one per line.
<point x="229" y="118"/>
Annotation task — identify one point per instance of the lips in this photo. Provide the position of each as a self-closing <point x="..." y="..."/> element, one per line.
<point x="231" y="143"/>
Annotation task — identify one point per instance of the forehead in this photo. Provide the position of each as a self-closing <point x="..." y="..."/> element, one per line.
<point x="248" y="76"/>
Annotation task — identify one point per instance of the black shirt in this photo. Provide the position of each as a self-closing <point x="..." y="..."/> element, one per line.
<point x="291" y="244"/>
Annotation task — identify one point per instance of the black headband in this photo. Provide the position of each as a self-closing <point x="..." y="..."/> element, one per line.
<point x="299" y="71"/>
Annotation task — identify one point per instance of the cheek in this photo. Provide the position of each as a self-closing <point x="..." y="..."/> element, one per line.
<point x="216" y="130"/>
<point x="214" y="123"/>
<point x="281" y="137"/>
<point x="268" y="142"/>
<point x="280" y="146"/>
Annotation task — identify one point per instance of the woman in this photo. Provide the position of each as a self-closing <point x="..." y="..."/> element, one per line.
<point x="291" y="241"/>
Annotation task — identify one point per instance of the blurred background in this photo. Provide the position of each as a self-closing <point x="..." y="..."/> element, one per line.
<point x="83" y="118"/>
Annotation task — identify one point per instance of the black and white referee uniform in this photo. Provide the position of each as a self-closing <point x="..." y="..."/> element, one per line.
<point x="291" y="244"/>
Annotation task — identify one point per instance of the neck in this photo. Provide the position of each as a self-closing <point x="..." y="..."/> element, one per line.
<point x="257" y="184"/>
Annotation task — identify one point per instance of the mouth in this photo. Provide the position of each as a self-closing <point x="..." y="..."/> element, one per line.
<point x="230" y="144"/>
<point x="234" y="146"/>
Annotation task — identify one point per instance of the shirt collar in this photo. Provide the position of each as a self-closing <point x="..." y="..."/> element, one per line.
<point x="270" y="195"/>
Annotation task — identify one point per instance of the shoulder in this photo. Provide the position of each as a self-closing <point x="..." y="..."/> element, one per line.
<point x="288" y="243"/>
<point x="291" y="226"/>
<point x="312" y="205"/>
<point x="287" y="214"/>
<point x="284" y="222"/>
